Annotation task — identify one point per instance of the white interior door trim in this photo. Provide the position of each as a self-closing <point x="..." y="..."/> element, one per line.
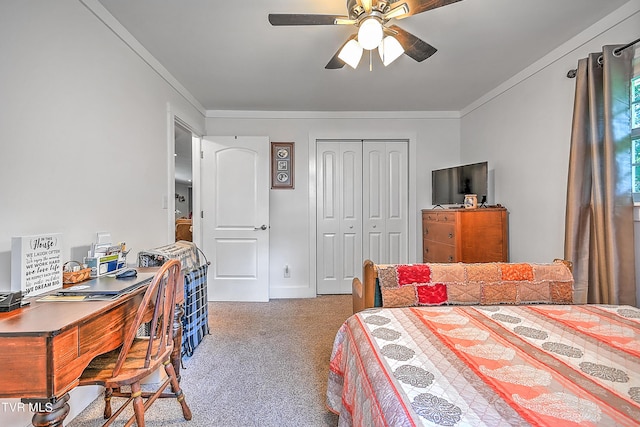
<point x="196" y="194"/>
<point x="411" y="137"/>
<point x="174" y="114"/>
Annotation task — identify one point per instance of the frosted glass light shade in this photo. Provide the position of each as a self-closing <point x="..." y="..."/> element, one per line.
<point x="389" y="50"/>
<point x="370" y="33"/>
<point x="351" y="53"/>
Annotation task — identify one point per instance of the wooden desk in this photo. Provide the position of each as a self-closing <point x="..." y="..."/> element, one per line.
<point x="46" y="346"/>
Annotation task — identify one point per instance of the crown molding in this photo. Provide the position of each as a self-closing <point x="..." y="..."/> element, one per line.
<point x="419" y="115"/>
<point x="127" y="38"/>
<point x="608" y="22"/>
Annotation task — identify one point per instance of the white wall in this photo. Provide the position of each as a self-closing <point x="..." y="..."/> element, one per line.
<point x="183" y="207"/>
<point x="436" y="144"/>
<point x="83" y="128"/>
<point x="523" y="129"/>
<point x="83" y="135"/>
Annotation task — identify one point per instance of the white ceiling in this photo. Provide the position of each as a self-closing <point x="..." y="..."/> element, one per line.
<point x="228" y="56"/>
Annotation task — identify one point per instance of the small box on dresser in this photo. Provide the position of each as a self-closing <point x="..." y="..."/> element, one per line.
<point x="465" y="235"/>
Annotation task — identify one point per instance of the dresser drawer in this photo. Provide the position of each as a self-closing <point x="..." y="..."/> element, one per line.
<point x="429" y="216"/>
<point x="440" y="232"/>
<point x="443" y="216"/>
<point x="438" y="252"/>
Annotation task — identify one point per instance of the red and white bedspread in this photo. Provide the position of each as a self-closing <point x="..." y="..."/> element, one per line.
<point x="552" y="365"/>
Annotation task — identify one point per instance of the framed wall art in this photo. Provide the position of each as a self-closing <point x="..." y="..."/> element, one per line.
<point x="282" y="165"/>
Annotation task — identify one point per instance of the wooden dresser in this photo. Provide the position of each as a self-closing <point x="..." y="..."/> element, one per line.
<point x="465" y="235"/>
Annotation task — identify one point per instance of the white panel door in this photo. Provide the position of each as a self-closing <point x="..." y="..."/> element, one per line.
<point x="235" y="222"/>
<point x="339" y="215"/>
<point x="385" y="202"/>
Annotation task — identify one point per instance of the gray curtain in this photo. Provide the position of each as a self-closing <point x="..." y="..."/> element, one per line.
<point x="599" y="230"/>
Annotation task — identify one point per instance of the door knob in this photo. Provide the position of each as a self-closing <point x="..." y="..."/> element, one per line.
<point x="262" y="227"/>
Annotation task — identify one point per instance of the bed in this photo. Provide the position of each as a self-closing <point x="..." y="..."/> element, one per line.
<point x="487" y="365"/>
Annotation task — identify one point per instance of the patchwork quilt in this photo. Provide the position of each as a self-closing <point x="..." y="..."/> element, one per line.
<point x="491" y="365"/>
<point x="404" y="285"/>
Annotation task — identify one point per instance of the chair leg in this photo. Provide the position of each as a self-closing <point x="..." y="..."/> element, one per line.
<point x="108" y="392"/>
<point x="138" y="403"/>
<point x="168" y="368"/>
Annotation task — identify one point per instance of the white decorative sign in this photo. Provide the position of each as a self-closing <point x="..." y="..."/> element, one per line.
<point x="36" y="263"/>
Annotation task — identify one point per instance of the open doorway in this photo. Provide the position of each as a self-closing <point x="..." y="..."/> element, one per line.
<point x="183" y="158"/>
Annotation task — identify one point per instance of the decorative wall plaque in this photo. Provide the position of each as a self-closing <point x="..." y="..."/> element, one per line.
<point x="282" y="165"/>
<point x="36" y="263"/>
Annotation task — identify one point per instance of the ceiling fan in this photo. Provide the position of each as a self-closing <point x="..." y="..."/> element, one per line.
<point x="371" y="17"/>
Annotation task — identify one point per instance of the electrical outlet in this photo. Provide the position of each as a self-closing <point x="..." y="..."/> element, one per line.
<point x="287" y="271"/>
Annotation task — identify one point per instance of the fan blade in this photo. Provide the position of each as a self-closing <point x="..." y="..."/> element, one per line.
<point x="415" y="48"/>
<point x="303" y="19"/>
<point x="401" y="10"/>
<point x="336" y="62"/>
<point x="419" y="6"/>
<point x="366" y="4"/>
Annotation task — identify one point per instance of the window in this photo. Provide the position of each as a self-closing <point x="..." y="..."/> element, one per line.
<point x="635" y="126"/>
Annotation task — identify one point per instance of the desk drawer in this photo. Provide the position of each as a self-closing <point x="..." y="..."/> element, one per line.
<point x="25" y="367"/>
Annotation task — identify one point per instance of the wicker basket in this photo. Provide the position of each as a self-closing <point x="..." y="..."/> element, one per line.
<point x="70" y="277"/>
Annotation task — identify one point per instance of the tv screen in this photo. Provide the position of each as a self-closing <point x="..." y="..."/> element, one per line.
<point x="449" y="185"/>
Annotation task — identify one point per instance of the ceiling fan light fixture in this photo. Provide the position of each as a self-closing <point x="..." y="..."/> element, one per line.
<point x="351" y="53"/>
<point x="389" y="50"/>
<point x="370" y="33"/>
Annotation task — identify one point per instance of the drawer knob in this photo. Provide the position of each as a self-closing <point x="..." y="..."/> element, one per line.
<point x="450" y="258"/>
<point x="451" y="235"/>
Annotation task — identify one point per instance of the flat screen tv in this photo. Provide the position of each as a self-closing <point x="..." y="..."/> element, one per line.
<point x="449" y="185"/>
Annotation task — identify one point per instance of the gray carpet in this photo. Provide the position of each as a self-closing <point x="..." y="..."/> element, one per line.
<point x="264" y="364"/>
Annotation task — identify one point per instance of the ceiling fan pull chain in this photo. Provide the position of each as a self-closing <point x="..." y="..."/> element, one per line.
<point x="370" y="62"/>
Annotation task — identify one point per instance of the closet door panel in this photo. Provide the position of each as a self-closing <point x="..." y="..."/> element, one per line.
<point x="386" y="198"/>
<point x="339" y="215"/>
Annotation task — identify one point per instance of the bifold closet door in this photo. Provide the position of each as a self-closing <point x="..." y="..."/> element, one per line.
<point x="362" y="209"/>
<point x="385" y="201"/>
<point x="339" y="215"/>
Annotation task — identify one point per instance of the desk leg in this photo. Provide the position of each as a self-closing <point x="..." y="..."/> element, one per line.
<point x="176" y="355"/>
<point x="53" y="414"/>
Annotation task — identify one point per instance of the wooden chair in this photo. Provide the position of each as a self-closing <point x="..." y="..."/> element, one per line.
<point x="140" y="356"/>
<point x="184" y="229"/>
